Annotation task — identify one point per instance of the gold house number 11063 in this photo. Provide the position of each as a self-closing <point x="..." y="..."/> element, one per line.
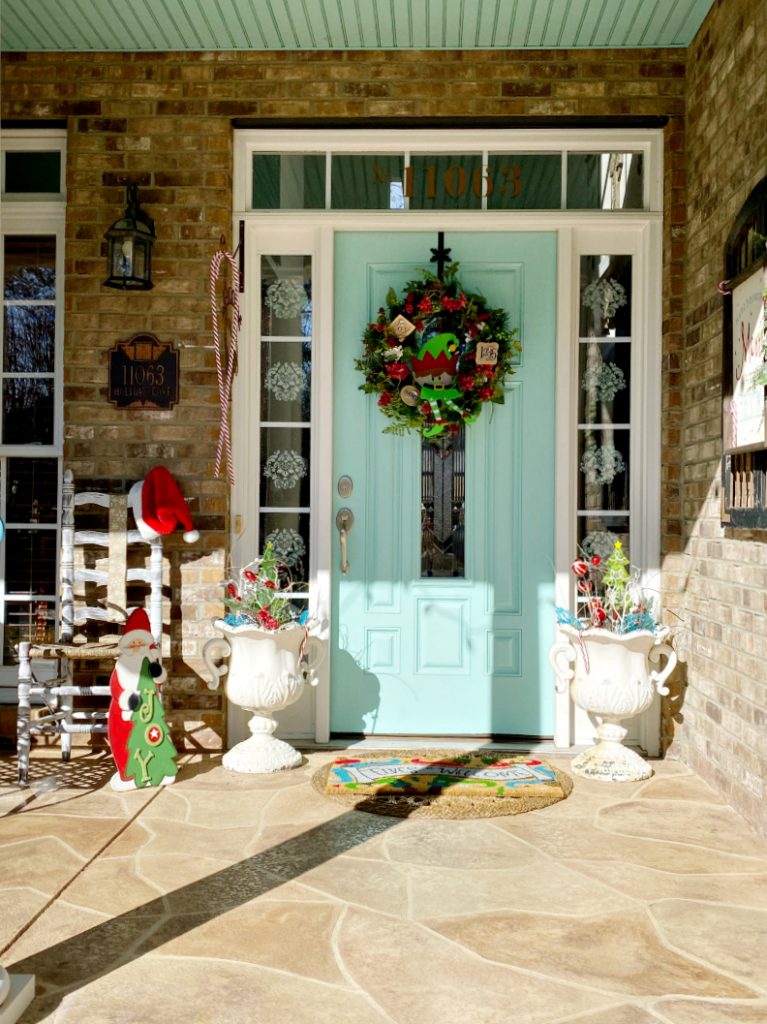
<point x="454" y="181"/>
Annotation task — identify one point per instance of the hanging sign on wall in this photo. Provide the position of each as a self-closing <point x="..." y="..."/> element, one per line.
<point x="143" y="373"/>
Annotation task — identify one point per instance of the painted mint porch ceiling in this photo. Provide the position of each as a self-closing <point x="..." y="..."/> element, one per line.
<point x="84" y="25"/>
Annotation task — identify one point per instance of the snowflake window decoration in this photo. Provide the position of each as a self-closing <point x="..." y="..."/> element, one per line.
<point x="604" y="297"/>
<point x="286" y="298"/>
<point x="286" y="381"/>
<point x="288" y="545"/>
<point x="605" y="380"/>
<point x="285" y="469"/>
<point x="602" y="463"/>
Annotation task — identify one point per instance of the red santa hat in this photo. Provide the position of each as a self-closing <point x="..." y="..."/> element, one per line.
<point x="159" y="506"/>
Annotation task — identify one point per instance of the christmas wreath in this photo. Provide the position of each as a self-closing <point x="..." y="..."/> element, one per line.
<point x="436" y="356"/>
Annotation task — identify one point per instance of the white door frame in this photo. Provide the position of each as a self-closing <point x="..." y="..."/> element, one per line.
<point x="305" y="232"/>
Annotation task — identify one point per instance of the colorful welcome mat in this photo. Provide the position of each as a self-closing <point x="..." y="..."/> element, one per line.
<point x="443" y="784"/>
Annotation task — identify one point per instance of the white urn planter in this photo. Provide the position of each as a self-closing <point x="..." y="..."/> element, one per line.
<point x="611" y="676"/>
<point x="267" y="671"/>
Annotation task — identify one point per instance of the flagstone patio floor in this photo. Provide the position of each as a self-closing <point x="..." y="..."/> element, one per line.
<point x="255" y="900"/>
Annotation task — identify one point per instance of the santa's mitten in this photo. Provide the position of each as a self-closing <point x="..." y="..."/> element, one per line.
<point x="155" y="669"/>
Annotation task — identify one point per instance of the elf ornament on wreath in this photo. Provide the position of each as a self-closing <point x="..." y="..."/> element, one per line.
<point x="435" y="356"/>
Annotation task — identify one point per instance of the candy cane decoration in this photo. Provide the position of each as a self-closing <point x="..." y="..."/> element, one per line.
<point x="225" y="374"/>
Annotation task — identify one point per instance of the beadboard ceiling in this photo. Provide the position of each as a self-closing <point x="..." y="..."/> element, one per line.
<point x="141" y="25"/>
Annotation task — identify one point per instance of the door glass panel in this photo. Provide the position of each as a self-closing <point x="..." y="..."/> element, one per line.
<point x="442" y="507"/>
<point x="524" y="181"/>
<point x="605" y="181"/>
<point x="367" y="182"/>
<point x="288" y="181"/>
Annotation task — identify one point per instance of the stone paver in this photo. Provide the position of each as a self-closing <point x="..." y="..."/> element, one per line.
<point x="253" y="899"/>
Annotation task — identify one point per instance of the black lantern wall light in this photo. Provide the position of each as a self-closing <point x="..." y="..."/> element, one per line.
<point x="130" y="241"/>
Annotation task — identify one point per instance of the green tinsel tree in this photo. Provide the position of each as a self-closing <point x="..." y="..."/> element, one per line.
<point x="615" y="582"/>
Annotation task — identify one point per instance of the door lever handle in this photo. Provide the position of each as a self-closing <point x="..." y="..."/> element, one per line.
<point x="344" y="523"/>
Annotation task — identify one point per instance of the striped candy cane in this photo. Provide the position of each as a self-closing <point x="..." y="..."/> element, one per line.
<point x="225" y="373"/>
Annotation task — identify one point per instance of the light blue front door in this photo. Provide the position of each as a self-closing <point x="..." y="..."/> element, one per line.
<point x="446" y="656"/>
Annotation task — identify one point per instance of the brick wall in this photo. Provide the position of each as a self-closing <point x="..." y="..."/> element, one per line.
<point x="164" y="120"/>
<point x="721" y="580"/>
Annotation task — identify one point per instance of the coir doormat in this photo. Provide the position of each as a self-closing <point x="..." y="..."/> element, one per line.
<point x="443" y="784"/>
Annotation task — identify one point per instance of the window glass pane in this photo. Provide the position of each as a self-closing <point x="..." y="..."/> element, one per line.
<point x="30" y="561"/>
<point x="27" y="411"/>
<point x="597" y="534"/>
<point x="33" y="172"/>
<point x="30" y="267"/>
<point x="288" y="181"/>
<point x="286" y="381"/>
<point x="605" y="181"/>
<point x="367" y="183"/>
<point x="286" y="296"/>
<point x="285" y="467"/>
<point x="28" y="339"/>
<point x="288" y="533"/>
<point x="442" y="507"/>
<point x="32" y="491"/>
<point x="524" y="181"/>
<point x="34" y="621"/>
<point x="446" y="182"/>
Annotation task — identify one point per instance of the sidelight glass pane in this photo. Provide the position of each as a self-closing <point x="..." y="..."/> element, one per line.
<point x="286" y="296"/>
<point x="605" y="297"/>
<point x="288" y="533"/>
<point x="442" y="507"/>
<point x="29" y="267"/>
<point x="285" y="467"/>
<point x="286" y="381"/>
<point x="605" y="181"/>
<point x="603" y="469"/>
<point x="604" y="373"/>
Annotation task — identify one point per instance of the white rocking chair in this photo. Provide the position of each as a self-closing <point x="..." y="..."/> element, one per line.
<point x="94" y="578"/>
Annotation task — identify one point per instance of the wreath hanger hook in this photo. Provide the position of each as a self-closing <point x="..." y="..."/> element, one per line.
<point x="440" y="255"/>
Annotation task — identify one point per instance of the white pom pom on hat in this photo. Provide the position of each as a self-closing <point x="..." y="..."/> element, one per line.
<point x="159" y="506"/>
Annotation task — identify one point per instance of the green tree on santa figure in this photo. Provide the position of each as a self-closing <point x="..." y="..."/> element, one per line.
<point x="151" y="754"/>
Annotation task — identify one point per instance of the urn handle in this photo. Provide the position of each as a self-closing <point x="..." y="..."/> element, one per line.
<point x="660" y="677"/>
<point x="561" y="659"/>
<point x="215" y="648"/>
<point x="313" y="656"/>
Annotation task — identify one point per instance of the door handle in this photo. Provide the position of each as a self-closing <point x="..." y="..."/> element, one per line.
<point x="344" y="523"/>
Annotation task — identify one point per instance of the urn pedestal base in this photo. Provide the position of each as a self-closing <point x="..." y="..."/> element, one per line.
<point x="609" y="760"/>
<point x="261" y="753"/>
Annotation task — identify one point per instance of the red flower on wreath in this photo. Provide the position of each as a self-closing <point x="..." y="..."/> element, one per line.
<point x="486" y="393"/>
<point x="385" y="399"/>
<point x="466" y="381"/>
<point x="397" y="371"/>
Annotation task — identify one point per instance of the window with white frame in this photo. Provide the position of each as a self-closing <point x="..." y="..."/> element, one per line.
<point x="31" y="269"/>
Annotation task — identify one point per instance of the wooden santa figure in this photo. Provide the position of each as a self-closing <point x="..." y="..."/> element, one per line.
<point x="137" y="646"/>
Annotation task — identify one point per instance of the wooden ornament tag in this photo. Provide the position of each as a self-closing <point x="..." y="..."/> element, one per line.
<point x="401" y="327"/>
<point x="487" y="353"/>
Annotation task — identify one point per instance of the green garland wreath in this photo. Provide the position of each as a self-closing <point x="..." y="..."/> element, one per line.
<point x="421" y="356"/>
